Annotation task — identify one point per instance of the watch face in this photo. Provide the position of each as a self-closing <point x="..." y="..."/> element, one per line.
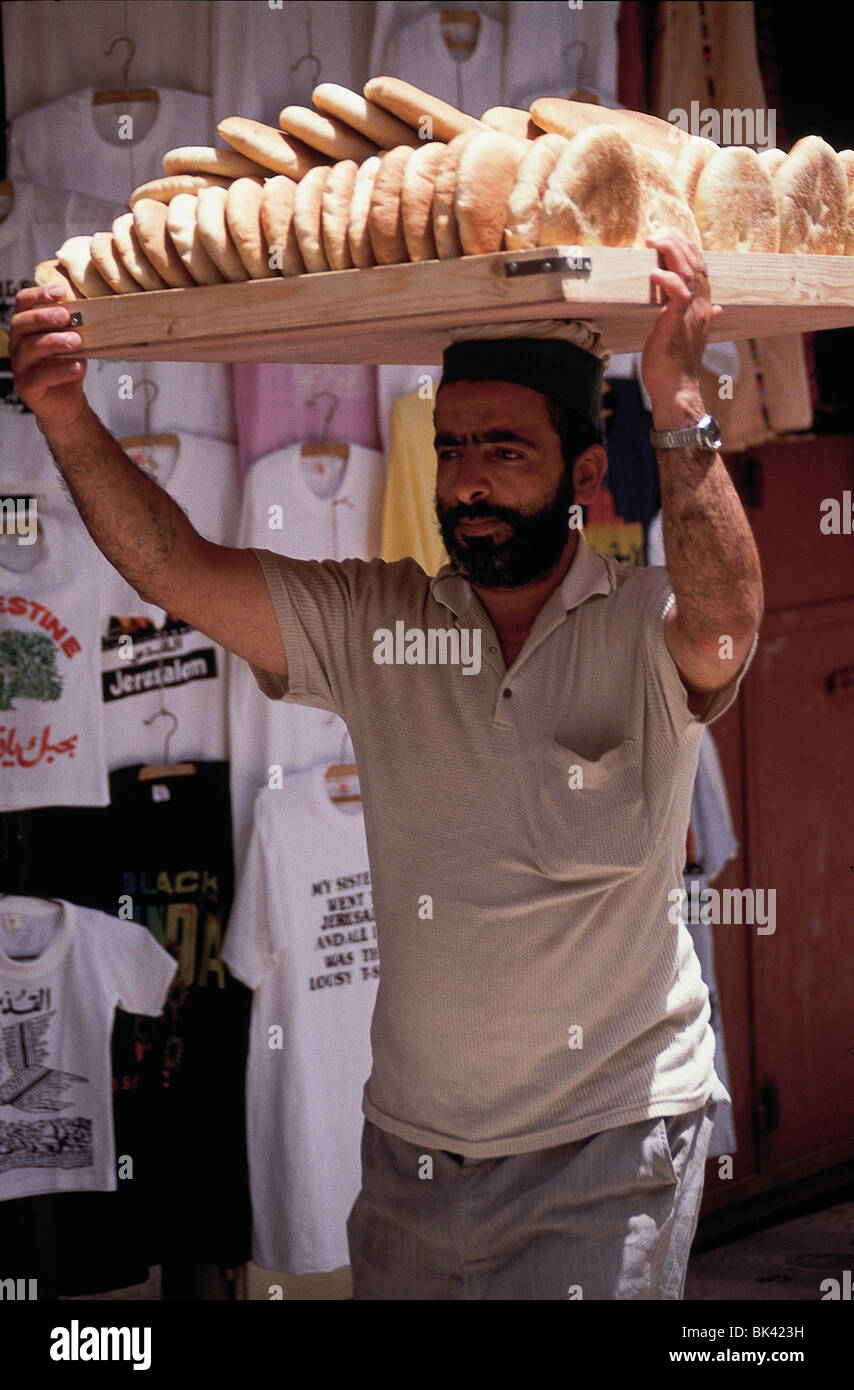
<point x="712" y="431"/>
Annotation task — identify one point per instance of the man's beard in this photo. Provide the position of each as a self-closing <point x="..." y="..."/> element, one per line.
<point x="529" y="554"/>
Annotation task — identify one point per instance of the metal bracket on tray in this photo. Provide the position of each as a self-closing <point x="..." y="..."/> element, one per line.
<point x="542" y="265"/>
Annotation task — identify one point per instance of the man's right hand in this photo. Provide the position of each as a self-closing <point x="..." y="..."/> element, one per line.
<point x="52" y="388"/>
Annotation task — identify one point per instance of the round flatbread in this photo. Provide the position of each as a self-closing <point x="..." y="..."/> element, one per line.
<point x="416" y="201"/>
<point x="385" y="217"/>
<point x="358" y="234"/>
<point x="572" y="118"/>
<point x="487" y="171"/>
<point x="75" y="256"/>
<point x="772" y="159"/>
<point x="132" y="254"/>
<point x="269" y="147"/>
<point x="215" y="236"/>
<point x="110" y="266"/>
<point x="811" y="188"/>
<point x="149" y="218"/>
<point x="277" y="224"/>
<point x="370" y="120"/>
<point x="52" y="273"/>
<point x="243" y="215"/>
<point x="165" y="189"/>
<point x="593" y="196"/>
<point x="664" y="210"/>
<point x="445" y="228"/>
<point x="326" y="134"/>
<point x="525" y="203"/>
<point x="183" y="231"/>
<point x="690" y="162"/>
<point x="308" y="218"/>
<point x="431" y="118"/>
<point x="734" y="204"/>
<point x="206" y="159"/>
<point x="509" y="120"/>
<point x="337" y="196"/>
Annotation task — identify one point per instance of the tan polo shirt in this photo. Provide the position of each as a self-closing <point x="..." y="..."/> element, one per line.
<point x="524" y="827"/>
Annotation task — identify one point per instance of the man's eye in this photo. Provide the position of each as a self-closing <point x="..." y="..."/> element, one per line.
<point x="508" y="453"/>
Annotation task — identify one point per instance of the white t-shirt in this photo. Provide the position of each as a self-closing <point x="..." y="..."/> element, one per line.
<point x="51" y="721"/>
<point x="334" y="513"/>
<point x="408" y="43"/>
<point x="166" y="653"/>
<point x="105" y="151"/>
<point x="302" y="936"/>
<point x="63" y="972"/>
<point x="254" y="49"/>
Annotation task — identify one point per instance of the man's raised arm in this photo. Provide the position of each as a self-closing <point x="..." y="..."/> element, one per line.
<point x="140" y="529"/>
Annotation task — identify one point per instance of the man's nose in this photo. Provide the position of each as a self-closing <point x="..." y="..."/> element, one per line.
<point x="472" y="475"/>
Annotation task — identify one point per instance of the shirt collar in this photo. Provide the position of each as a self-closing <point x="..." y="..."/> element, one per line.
<point x="588" y="574"/>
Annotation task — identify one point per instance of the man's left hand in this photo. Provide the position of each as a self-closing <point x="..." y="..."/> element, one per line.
<point x="673" y="351"/>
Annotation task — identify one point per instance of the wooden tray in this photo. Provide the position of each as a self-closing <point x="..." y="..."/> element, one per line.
<point x="403" y="313"/>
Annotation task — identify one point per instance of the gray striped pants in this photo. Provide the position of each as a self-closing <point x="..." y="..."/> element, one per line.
<point x="610" y="1216"/>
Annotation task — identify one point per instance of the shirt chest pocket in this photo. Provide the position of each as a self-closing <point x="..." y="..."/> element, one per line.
<point x="589" y="817"/>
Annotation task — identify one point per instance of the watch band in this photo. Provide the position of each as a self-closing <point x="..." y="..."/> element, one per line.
<point x="704" y="435"/>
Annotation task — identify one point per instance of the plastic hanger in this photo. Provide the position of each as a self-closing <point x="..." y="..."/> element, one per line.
<point x="124" y="95"/>
<point x="324" y="446"/>
<point x="147" y="440"/>
<point x="342" y="779"/>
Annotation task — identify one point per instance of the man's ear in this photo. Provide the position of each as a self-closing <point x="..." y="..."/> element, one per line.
<point x="587" y="473"/>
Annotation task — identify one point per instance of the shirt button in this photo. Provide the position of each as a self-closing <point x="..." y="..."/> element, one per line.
<point x="493" y="649"/>
<point x="506" y="694"/>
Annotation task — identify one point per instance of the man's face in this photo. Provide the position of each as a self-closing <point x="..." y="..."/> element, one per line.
<point x="503" y="492"/>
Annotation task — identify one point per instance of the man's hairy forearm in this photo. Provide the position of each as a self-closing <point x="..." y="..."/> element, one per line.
<point x="711" y="555"/>
<point x="140" y="529"/>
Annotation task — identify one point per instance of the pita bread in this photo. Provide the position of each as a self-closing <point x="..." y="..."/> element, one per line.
<point x="811" y="188"/>
<point x="445" y="228"/>
<point x="75" y="256"/>
<point x="511" y="121"/>
<point x="432" y="118"/>
<point x="165" y="189"/>
<point x="487" y="172"/>
<point x="212" y="227"/>
<point x="335" y="217"/>
<point x="205" y="159"/>
<point x="358" y="234"/>
<point x="385" y="218"/>
<point x="277" y="224"/>
<point x="243" y="215"/>
<point x="369" y="120"/>
<point x="416" y="201"/>
<point x="593" y="196"/>
<point x="183" y="232"/>
<point x="734" y="203"/>
<point x="269" y="147"/>
<point x="326" y="134"/>
<point x="110" y="266"/>
<point x="525" y="203"/>
<point x="149" y="218"/>
<point x="132" y="254"/>
<point x="52" y="273"/>
<point x="664" y="210"/>
<point x="308" y="218"/>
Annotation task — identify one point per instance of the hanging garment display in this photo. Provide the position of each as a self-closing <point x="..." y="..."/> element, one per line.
<point x="302" y="936"/>
<point x="64" y="969"/>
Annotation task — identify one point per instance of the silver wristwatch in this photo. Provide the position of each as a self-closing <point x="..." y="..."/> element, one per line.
<point x="706" y="434"/>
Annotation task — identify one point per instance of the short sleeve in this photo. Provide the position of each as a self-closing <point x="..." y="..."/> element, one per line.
<point x="140" y="967"/>
<point x="247" y="949"/>
<point x="664" y="684"/>
<point x="316" y="603"/>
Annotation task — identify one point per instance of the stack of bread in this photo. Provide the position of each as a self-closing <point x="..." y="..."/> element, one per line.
<point x="398" y="175"/>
